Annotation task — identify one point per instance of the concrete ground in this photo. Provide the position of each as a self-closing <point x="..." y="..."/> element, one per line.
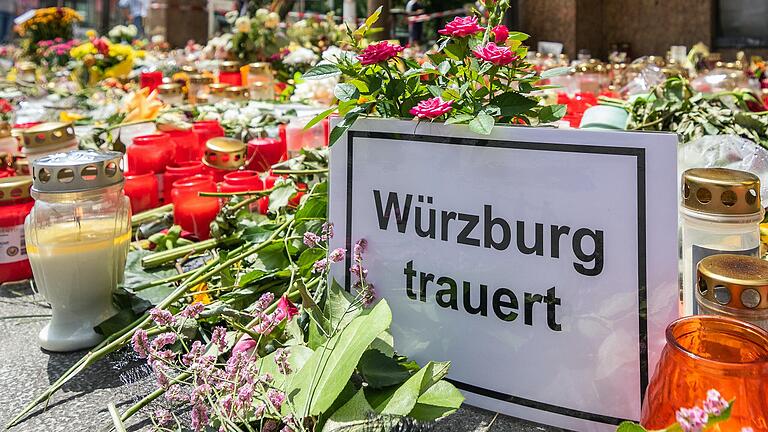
<point x="26" y="370"/>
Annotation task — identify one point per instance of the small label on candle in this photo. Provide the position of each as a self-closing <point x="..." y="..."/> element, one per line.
<point x="12" y="247"/>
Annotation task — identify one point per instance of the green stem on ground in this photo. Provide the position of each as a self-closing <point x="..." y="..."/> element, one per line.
<point x="117" y="340"/>
<point x="159" y="258"/>
<point x="119" y="427"/>
<point x="231" y="194"/>
<point x="149" y="215"/>
<point x="310" y="171"/>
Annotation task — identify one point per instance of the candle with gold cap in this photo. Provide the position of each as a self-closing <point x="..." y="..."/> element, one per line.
<point x="48" y="138"/>
<point x="77" y="241"/>
<point x="224" y="155"/>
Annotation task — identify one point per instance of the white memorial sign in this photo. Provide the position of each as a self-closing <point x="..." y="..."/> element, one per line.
<point x="541" y="262"/>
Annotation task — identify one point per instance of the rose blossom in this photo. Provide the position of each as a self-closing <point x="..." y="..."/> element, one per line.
<point x="498" y="55"/>
<point x="432" y="108"/>
<point x="461" y="27"/>
<point x="285" y="310"/>
<point x="378" y="53"/>
<point x="500" y="33"/>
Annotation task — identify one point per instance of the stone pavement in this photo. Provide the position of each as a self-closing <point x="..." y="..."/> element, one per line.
<point x="123" y="379"/>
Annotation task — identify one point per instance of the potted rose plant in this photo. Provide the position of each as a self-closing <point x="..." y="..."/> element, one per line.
<point x="477" y="76"/>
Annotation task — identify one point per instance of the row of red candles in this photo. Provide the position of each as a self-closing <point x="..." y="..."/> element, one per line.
<point x="166" y="167"/>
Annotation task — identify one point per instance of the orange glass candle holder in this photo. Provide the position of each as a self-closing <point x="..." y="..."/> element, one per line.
<point x="711" y="352"/>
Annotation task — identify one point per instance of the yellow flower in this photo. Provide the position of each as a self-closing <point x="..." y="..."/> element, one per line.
<point x="203" y="298"/>
<point x="91" y="34"/>
<point x="69" y="117"/>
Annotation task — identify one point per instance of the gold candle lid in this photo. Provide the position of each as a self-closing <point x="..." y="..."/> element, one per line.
<point x="21" y="166"/>
<point x="169" y="89"/>
<point x="229" y="66"/>
<point x="5" y="130"/>
<point x="26" y="66"/>
<point x="217" y="88"/>
<point x="259" y="68"/>
<point x="200" y="79"/>
<point x="225" y="153"/>
<point x="721" y="191"/>
<point x="189" y="69"/>
<point x="47" y="134"/>
<point x="236" y="93"/>
<point x="13" y="188"/>
<point x="202" y="98"/>
<point x="735" y="281"/>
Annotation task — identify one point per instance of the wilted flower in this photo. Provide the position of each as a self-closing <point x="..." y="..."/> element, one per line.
<point x="281" y="360"/>
<point x="162" y="340"/>
<point x="219" y="337"/>
<point x="199" y="417"/>
<point x="161" y="317"/>
<point x="337" y="255"/>
<point x="311" y="239"/>
<point x="320" y="266"/>
<point x="276" y="398"/>
<point x="140" y="343"/>
<point x="327" y="231"/>
<point x="162" y="416"/>
<point x="715" y="404"/>
<point x="691" y="419"/>
<point x="193" y="310"/>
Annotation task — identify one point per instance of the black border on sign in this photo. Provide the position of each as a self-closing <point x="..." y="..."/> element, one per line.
<point x="638" y="153"/>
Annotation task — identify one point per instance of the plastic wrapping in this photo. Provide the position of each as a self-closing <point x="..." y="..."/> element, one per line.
<point x="725" y="151"/>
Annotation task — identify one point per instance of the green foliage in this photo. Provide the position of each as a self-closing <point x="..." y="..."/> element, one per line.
<point x="481" y="93"/>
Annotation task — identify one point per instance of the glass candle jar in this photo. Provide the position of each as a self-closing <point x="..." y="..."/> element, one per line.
<point x="178" y="172"/>
<point x="186" y="143"/>
<point x="26" y="72"/>
<point x="710" y="352"/>
<point x="15" y="204"/>
<point x="142" y="190"/>
<point x="735" y="286"/>
<point x="77" y="240"/>
<point x="150" y="79"/>
<point x="150" y="153"/>
<point x="721" y="213"/>
<point x="48" y="138"/>
<point x="236" y="94"/>
<point x="8" y="144"/>
<point x="261" y="82"/>
<point x="298" y="138"/>
<point x="216" y="92"/>
<point x="191" y="211"/>
<point x="229" y="73"/>
<point x="205" y="130"/>
<point x="171" y="94"/>
<point x="265" y="152"/>
<point x="198" y="85"/>
<point x="224" y="155"/>
<point x="241" y="181"/>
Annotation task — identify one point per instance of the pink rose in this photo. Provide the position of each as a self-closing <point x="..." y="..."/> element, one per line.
<point x="378" y="53"/>
<point x="461" y="27"/>
<point x="246" y="345"/>
<point x="285" y="310"/>
<point x="500" y="34"/>
<point x="498" y="55"/>
<point x="431" y="108"/>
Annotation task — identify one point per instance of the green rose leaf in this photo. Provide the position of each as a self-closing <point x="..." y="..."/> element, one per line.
<point x="513" y="103"/>
<point x="346" y="91"/>
<point x="551" y="113"/>
<point x="322" y="71"/>
<point x="551" y="73"/>
<point x="440" y="400"/>
<point x="482" y="124"/>
<point x="380" y="370"/>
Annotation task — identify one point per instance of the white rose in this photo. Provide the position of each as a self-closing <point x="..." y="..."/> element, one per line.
<point x="131" y="31"/>
<point x="230" y="115"/>
<point x="300" y="56"/>
<point x="243" y="24"/>
<point x="261" y="12"/>
<point x="273" y="20"/>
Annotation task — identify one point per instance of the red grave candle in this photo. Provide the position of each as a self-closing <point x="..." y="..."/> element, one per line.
<point x="150" y="153"/>
<point x="142" y="190"/>
<point x="207" y="129"/>
<point x="193" y="212"/>
<point x="15" y="204"/>
<point x="241" y="181"/>
<point x="265" y="152"/>
<point x="186" y="144"/>
<point x="178" y="172"/>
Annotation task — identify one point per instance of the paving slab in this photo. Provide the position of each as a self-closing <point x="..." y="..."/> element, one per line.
<point x="122" y="378"/>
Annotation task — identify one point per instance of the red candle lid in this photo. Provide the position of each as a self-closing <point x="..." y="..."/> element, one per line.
<point x="131" y="176"/>
<point x="195" y="180"/>
<point x="182" y="168"/>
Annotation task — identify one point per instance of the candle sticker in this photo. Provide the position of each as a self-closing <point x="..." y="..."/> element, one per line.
<point x="12" y="247"/>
